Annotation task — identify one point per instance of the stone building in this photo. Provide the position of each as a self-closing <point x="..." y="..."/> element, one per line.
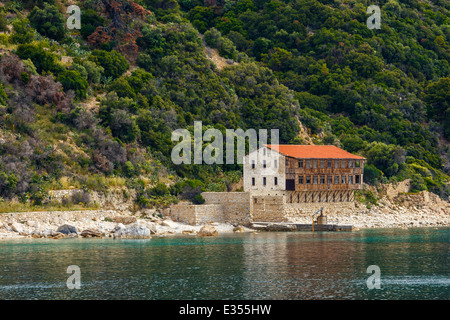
<point x="282" y="182"/>
<point x="307" y="173"/>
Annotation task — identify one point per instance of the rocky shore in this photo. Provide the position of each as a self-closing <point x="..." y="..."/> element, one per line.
<point x="100" y="224"/>
<point x="110" y="224"/>
<point x="395" y="208"/>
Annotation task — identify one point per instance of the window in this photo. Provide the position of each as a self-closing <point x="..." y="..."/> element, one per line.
<point x="350" y="164"/>
<point x="343" y="179"/>
<point x="315" y="164"/>
<point x="308" y="164"/>
<point x="315" y="179"/>
<point x="264" y="164"/>
<point x="264" y="151"/>
<point x="336" y="179"/>
<point x="275" y="181"/>
<point x="253" y="181"/>
<point x="322" y="179"/>
<point x="329" y="164"/>
<point x="336" y="164"/>
<point x="350" y="179"/>
<point x="357" y="179"/>
<point x="308" y="179"/>
<point x="264" y="181"/>
<point x="287" y="163"/>
<point x="330" y="179"/>
<point x="300" y="163"/>
<point x="357" y="163"/>
<point x="275" y="163"/>
<point x="322" y="164"/>
<point x="343" y="163"/>
<point x="253" y="164"/>
<point x="300" y="179"/>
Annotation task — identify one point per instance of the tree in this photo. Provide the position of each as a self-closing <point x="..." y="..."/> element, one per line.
<point x="72" y="80"/>
<point x="90" y="21"/>
<point x="23" y="32"/>
<point x="385" y="157"/>
<point x="113" y="63"/>
<point x="3" y="22"/>
<point x="437" y="94"/>
<point x="42" y="59"/>
<point x="122" y="88"/>
<point x="123" y="126"/>
<point x="48" y="21"/>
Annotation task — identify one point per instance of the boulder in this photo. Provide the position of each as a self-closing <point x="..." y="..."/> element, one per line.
<point x="16" y="227"/>
<point x="56" y="235"/>
<point x="207" y="231"/>
<point x="91" y="233"/>
<point x="168" y="223"/>
<point x="124" y="219"/>
<point x="239" y="229"/>
<point x="67" y="229"/>
<point x="132" y="231"/>
<point x="31" y="223"/>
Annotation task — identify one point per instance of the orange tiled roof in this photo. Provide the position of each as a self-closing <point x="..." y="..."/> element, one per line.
<point x="313" y="152"/>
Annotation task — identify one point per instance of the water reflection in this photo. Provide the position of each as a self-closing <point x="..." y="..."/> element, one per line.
<point x="413" y="264"/>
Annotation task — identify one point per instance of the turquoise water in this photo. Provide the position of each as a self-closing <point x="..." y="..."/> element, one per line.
<point x="414" y="264"/>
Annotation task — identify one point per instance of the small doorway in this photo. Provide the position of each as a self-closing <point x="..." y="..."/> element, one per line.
<point x="290" y="184"/>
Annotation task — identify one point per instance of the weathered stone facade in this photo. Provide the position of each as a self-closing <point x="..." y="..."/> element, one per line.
<point x="245" y="207"/>
<point x="223" y="207"/>
<point x="264" y="170"/>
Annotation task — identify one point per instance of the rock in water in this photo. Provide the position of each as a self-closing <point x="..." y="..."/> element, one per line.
<point x="208" y="231"/>
<point x="67" y="229"/>
<point x="132" y="231"/>
<point x="91" y="233"/>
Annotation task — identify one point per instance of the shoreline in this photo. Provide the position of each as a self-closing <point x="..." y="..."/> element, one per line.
<point x="113" y="224"/>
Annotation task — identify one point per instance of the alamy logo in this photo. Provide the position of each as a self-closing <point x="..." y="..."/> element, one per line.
<point x="74" y="20"/>
<point x="74" y="281"/>
<point x="213" y="153"/>
<point x="374" y="281"/>
<point x="374" y="21"/>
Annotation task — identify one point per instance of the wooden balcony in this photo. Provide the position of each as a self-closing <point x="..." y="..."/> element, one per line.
<point x="327" y="187"/>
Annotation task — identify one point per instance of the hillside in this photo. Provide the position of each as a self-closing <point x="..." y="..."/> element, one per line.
<point x="95" y="108"/>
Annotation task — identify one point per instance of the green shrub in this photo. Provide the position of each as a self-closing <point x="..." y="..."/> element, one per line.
<point x="72" y="80"/>
<point x="90" y="20"/>
<point x="23" y="32"/>
<point x="159" y="190"/>
<point x="48" y="21"/>
<point x="42" y="59"/>
<point x="122" y="88"/>
<point x="3" y="22"/>
<point x="198" y="199"/>
<point x="113" y="63"/>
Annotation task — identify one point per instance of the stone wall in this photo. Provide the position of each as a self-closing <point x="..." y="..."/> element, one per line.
<point x="113" y="199"/>
<point x="268" y="208"/>
<point x="235" y="205"/>
<point x="302" y="212"/>
<point x="197" y="214"/>
<point x="223" y="207"/>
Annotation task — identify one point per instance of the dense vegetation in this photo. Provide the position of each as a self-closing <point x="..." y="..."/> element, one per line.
<point x="383" y="93"/>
